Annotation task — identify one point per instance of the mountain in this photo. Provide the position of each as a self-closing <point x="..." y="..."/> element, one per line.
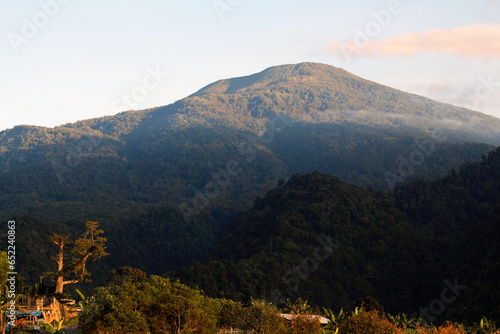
<point x="311" y="92"/>
<point x="165" y="182"/>
<point x="331" y="243"/>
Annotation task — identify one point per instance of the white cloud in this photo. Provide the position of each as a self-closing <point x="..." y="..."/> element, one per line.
<point x="478" y="40"/>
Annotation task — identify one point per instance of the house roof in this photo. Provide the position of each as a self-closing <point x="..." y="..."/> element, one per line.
<point x="322" y="320"/>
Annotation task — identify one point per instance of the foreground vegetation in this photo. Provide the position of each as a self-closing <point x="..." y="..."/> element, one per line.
<point x="136" y="303"/>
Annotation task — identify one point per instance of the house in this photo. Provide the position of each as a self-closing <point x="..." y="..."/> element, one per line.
<point x="29" y="320"/>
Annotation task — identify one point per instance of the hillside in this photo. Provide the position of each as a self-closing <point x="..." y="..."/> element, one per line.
<point x="331" y="243"/>
<point x="173" y="177"/>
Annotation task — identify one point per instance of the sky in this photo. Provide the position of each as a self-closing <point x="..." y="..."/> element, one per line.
<point x="66" y="60"/>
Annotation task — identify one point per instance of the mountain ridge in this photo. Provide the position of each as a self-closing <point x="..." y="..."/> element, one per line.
<point x="330" y="94"/>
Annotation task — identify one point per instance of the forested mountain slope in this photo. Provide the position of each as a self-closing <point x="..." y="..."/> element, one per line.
<point x="173" y="177"/>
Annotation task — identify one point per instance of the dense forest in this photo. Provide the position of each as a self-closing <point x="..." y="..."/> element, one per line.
<point x="137" y="192"/>
<point x="330" y="242"/>
<point x="302" y="181"/>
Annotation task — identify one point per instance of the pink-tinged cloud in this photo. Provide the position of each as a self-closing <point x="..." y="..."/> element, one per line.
<point x="478" y="40"/>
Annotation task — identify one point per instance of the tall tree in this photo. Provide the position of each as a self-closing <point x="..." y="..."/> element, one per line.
<point x="90" y="247"/>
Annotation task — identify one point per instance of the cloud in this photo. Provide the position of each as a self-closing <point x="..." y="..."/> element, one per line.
<point x="478" y="40"/>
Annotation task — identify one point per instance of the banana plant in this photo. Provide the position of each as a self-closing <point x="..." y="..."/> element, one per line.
<point x="298" y="307"/>
<point x="484" y="326"/>
<point x="335" y="319"/>
<point x="83" y="302"/>
<point x="51" y="329"/>
<point x="402" y="321"/>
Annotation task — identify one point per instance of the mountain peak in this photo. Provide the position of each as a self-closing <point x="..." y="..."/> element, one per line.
<point x="311" y="74"/>
<point x="315" y="92"/>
